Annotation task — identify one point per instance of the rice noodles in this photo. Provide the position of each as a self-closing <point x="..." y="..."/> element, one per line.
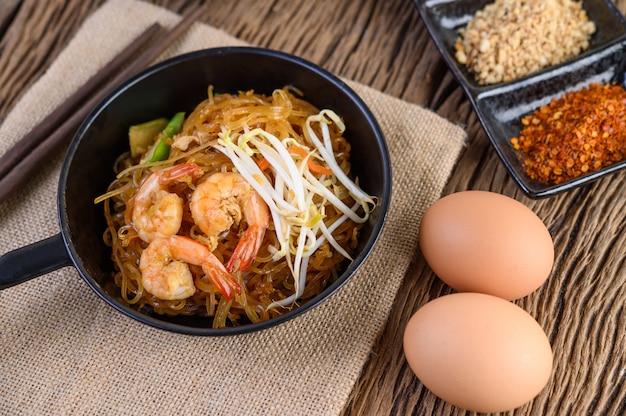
<point x="295" y="158"/>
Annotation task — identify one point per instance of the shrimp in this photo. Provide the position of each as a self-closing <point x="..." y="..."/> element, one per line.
<point x="165" y="273"/>
<point x="224" y="199"/>
<point x="157" y="212"/>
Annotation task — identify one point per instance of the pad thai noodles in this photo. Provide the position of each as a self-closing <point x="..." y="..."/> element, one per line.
<point x="239" y="212"/>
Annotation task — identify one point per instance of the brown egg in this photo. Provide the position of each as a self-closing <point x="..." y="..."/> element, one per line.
<point x="478" y="241"/>
<point x="478" y="352"/>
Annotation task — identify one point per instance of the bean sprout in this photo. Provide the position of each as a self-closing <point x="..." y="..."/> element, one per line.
<point x="299" y="222"/>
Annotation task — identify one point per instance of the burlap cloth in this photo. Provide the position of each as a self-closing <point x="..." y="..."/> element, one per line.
<point x="64" y="351"/>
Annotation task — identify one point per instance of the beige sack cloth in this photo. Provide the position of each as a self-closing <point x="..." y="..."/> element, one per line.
<point x="63" y="351"/>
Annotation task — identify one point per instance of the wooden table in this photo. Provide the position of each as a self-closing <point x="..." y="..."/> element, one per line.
<point x="384" y="44"/>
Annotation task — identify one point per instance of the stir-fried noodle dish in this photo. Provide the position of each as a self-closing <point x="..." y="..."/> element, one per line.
<point x="238" y="212"/>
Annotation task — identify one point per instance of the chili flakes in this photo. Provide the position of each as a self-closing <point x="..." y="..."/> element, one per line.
<point x="581" y="132"/>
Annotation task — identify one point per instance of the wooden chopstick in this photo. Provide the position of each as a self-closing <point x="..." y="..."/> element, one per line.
<point x="38" y="134"/>
<point x="27" y="166"/>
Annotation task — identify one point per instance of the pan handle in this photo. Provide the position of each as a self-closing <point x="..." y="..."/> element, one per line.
<point x="33" y="260"/>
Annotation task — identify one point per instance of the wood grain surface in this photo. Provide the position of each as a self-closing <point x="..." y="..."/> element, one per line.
<point x="384" y="44"/>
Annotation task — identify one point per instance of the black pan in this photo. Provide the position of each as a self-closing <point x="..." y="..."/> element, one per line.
<point x="179" y="84"/>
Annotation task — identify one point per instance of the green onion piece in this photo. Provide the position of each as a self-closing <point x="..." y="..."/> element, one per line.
<point x="162" y="149"/>
<point x="142" y="136"/>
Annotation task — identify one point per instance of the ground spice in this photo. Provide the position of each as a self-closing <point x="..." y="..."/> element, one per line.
<point x="579" y="133"/>
<point x="509" y="39"/>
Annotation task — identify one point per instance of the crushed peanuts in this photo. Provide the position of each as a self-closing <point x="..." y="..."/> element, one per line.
<point x="581" y="132"/>
<point x="509" y="39"/>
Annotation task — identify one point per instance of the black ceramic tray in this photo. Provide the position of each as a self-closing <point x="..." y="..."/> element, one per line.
<point x="501" y="106"/>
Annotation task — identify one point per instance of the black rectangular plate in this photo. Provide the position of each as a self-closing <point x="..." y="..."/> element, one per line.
<point x="501" y="106"/>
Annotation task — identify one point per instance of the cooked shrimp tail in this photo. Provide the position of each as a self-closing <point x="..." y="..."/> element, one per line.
<point x="221" y="278"/>
<point x="176" y="172"/>
<point x="246" y="249"/>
